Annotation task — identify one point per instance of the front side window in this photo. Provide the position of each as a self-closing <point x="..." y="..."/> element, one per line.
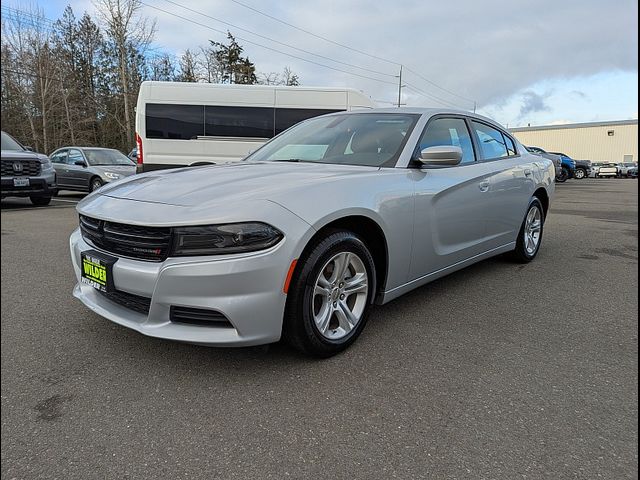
<point x="491" y="141"/>
<point x="75" y="156"/>
<point x="176" y="122"/>
<point x="449" y="132"/>
<point x="367" y="139"/>
<point x="251" y="122"/>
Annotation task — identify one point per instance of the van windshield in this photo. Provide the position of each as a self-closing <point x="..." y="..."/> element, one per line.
<point x="367" y="139"/>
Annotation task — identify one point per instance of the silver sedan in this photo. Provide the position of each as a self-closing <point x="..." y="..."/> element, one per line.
<point x="88" y="168"/>
<point x="301" y="238"/>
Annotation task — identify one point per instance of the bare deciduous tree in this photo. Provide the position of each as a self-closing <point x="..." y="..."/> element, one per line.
<point x="127" y="29"/>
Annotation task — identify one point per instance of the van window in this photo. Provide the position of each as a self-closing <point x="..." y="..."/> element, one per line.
<point x="256" y="122"/>
<point x="177" y="122"/>
<point x="288" y="117"/>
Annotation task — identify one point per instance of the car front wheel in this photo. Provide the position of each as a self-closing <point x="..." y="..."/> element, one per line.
<point x="95" y="184"/>
<point x="580" y="174"/>
<point x="530" y="235"/>
<point x="330" y="295"/>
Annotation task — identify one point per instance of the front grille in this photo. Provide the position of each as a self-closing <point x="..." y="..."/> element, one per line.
<point x="198" y="316"/>
<point x="133" y="241"/>
<point x="133" y="302"/>
<point x="27" y="168"/>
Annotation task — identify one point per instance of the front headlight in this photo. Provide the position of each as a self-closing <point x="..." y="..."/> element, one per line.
<point x="46" y="164"/>
<point x="112" y="176"/>
<point x="223" y="239"/>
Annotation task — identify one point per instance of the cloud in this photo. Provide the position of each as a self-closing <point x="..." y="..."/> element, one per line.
<point x="485" y="51"/>
<point x="533" y="102"/>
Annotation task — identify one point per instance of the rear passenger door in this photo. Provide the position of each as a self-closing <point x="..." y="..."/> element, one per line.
<point x="512" y="182"/>
<point x="59" y="162"/>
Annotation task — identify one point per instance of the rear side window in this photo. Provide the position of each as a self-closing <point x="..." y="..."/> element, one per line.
<point x="491" y="140"/>
<point x="511" y="148"/>
<point x="288" y="117"/>
<point x="59" y="157"/>
<point x="254" y="122"/>
<point x="449" y="131"/>
<point x="177" y="122"/>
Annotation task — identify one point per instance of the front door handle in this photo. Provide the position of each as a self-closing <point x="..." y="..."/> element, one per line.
<point x="483" y="186"/>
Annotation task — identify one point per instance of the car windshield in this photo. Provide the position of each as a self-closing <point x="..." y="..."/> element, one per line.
<point x="106" y="157"/>
<point x="367" y="139"/>
<point x="9" y="143"/>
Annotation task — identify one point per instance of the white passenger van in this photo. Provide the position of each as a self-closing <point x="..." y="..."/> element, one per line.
<point x="179" y="124"/>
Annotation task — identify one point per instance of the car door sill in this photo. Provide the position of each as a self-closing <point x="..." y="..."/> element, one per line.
<point x="429" y="277"/>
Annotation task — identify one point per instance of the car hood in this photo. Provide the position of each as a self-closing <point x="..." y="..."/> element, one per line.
<point x="8" y="155"/>
<point x="236" y="182"/>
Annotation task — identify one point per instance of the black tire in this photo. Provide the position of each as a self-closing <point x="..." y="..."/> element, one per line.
<point x="40" y="201"/>
<point x="95" y="184"/>
<point x="521" y="254"/>
<point x="580" y="173"/>
<point x="299" y="328"/>
<point x="564" y="175"/>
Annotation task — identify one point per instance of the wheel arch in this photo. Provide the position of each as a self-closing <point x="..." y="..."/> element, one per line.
<point x="371" y="234"/>
<point x="542" y="195"/>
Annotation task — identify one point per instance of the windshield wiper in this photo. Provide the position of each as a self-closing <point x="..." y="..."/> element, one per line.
<point x="287" y="160"/>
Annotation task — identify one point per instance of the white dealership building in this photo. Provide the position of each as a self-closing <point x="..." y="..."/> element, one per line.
<point x="615" y="141"/>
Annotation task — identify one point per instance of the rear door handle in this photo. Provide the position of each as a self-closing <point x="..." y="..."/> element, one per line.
<point x="528" y="172"/>
<point x="483" y="186"/>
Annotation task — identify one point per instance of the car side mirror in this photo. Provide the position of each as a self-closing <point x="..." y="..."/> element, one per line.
<point x="29" y="149"/>
<point x="80" y="163"/>
<point x="441" y="155"/>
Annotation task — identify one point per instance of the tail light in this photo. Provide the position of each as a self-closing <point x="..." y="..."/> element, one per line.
<point x="139" y="145"/>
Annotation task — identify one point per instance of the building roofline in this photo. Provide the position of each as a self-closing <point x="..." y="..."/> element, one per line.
<point x="575" y="125"/>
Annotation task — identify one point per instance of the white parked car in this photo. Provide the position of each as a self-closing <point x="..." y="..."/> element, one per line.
<point x="606" y="170"/>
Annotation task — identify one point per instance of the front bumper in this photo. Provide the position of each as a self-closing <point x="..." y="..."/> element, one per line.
<point x="40" y="186"/>
<point x="245" y="288"/>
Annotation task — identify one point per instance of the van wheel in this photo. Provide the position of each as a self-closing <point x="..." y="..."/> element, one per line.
<point x="330" y="295"/>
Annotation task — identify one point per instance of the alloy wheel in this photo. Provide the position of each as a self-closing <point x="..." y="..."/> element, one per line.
<point x="532" y="230"/>
<point x="340" y="295"/>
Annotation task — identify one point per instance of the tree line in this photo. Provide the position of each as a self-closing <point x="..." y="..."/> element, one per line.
<point x="75" y="81"/>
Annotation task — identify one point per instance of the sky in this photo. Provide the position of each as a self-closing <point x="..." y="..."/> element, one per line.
<point x="519" y="62"/>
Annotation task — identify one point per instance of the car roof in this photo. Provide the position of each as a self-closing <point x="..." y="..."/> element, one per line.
<point x="430" y="111"/>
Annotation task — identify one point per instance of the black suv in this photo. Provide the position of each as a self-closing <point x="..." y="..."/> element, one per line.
<point x="26" y="173"/>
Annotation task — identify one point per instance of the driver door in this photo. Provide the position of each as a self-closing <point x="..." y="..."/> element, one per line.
<point x="77" y="175"/>
<point x="450" y="202"/>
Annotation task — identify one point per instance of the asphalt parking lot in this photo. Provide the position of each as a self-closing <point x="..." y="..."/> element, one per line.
<point x="499" y="371"/>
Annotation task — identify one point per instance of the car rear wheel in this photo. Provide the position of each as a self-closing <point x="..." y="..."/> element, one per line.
<point x="530" y="236"/>
<point x="95" y="184"/>
<point x="40" y="201"/>
<point x="580" y="173"/>
<point x="330" y="295"/>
